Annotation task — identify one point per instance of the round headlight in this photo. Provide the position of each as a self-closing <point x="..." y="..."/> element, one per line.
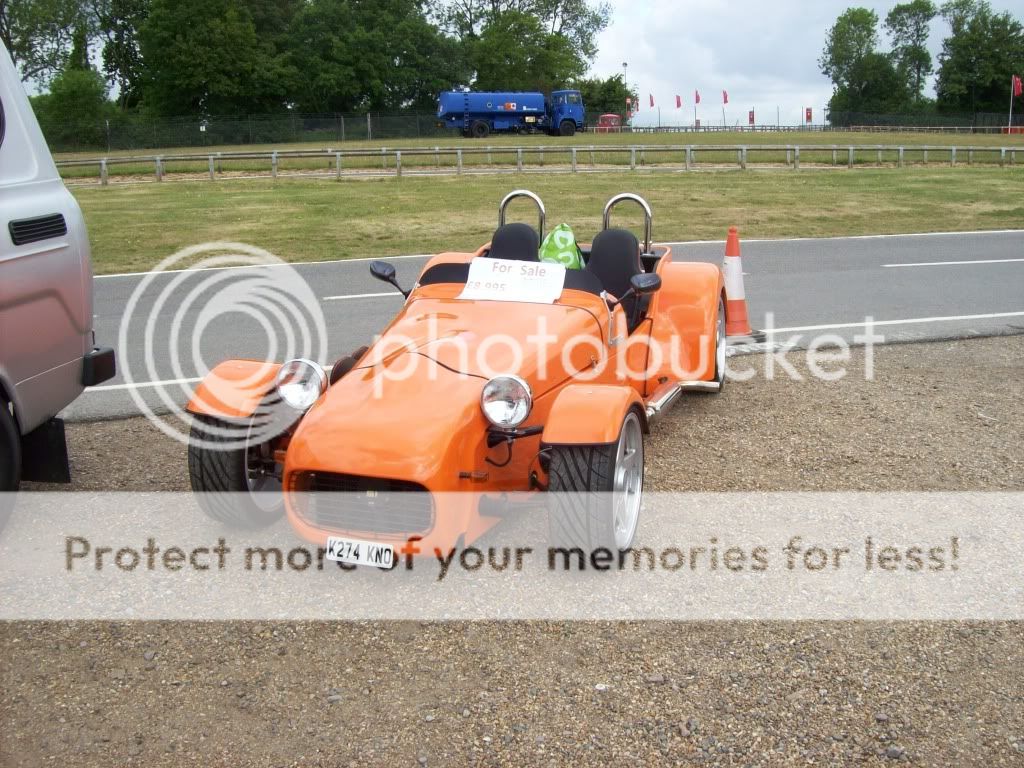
<point x="300" y="383"/>
<point x="506" y="401"/>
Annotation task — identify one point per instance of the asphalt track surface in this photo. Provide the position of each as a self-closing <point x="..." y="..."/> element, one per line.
<point x="914" y="287"/>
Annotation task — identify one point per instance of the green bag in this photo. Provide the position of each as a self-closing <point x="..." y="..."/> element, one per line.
<point x="559" y="247"/>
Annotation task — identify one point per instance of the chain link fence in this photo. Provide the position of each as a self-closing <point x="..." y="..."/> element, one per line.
<point x="132" y="132"/>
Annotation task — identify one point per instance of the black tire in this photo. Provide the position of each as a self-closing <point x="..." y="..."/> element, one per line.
<point x="220" y="478"/>
<point x="479" y="129"/>
<point x="10" y="451"/>
<point x="720" y="343"/>
<point x="567" y="128"/>
<point x="10" y="462"/>
<point x="581" y="482"/>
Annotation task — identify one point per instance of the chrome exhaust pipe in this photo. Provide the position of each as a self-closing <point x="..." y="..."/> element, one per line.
<point x="658" y="408"/>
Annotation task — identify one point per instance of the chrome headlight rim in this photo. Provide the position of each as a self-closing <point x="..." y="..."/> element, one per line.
<point x="292" y="368"/>
<point x="512" y="425"/>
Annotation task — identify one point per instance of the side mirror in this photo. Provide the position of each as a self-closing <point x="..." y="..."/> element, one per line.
<point x="383" y="271"/>
<point x="645" y="283"/>
<point x="386" y="272"/>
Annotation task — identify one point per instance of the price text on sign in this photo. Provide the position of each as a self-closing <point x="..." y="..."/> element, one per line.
<point x="503" y="280"/>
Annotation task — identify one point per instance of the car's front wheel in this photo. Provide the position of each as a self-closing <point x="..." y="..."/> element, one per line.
<point x="596" y="491"/>
<point x="233" y="478"/>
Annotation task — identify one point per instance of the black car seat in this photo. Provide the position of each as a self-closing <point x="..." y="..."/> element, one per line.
<point x="515" y="241"/>
<point x="615" y="260"/>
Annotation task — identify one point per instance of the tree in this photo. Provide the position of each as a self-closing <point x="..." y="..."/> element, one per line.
<point x="515" y="53"/>
<point x="202" y="57"/>
<point x="118" y="23"/>
<point x="382" y="55"/>
<point x="907" y="25"/>
<point x="74" y="111"/>
<point x="38" y="34"/>
<point x="604" y="96"/>
<point x="984" y="48"/>
<point x="559" y="37"/>
<point x="873" y="86"/>
<point x="851" y="38"/>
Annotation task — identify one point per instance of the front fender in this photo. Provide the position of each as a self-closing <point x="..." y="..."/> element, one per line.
<point x="234" y="389"/>
<point x="591" y="414"/>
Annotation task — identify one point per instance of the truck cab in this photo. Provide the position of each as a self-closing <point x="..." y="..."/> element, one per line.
<point x="567" y="114"/>
<point x="47" y="350"/>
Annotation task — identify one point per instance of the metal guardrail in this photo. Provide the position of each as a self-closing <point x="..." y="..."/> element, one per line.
<point x="497" y="159"/>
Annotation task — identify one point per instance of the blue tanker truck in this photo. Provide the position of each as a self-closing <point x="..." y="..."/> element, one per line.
<point x="477" y="114"/>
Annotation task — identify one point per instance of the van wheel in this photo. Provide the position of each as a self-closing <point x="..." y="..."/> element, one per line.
<point x="10" y="462"/>
<point x="231" y="483"/>
<point x="567" y="128"/>
<point x="10" y="451"/>
<point x="479" y="129"/>
<point x="597" y="490"/>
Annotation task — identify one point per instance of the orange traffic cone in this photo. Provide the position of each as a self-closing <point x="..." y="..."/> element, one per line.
<point x="736" y="321"/>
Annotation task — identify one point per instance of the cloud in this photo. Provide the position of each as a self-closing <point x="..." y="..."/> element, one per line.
<point x="764" y="53"/>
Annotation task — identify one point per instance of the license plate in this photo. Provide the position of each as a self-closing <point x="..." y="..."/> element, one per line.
<point x="357" y="552"/>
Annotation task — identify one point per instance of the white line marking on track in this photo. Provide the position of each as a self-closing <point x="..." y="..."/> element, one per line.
<point x="909" y="321"/>
<point x="141" y="384"/>
<point x="947" y="263"/>
<point x="359" y="296"/>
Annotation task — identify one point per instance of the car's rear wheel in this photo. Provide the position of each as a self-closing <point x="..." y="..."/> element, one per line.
<point x="567" y="128"/>
<point x="479" y="129"/>
<point x="597" y="491"/>
<point x="233" y="477"/>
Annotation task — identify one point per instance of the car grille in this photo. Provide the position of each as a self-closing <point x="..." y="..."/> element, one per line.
<point x="358" y="504"/>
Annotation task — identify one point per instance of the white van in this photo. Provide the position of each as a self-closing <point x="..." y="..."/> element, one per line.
<point x="47" y="346"/>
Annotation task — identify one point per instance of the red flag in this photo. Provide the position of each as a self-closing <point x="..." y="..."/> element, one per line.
<point x="696" y="97"/>
<point x="725" y="97"/>
<point x="750" y="117"/>
<point x="1018" y="86"/>
<point x="651" y="95"/>
<point x="679" y="101"/>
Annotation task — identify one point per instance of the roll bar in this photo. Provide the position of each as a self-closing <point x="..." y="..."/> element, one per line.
<point x="523" y="193"/>
<point x="648" y="216"/>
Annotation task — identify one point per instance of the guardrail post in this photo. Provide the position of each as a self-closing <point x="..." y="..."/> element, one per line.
<point x="458" y="161"/>
<point x="924" y="156"/>
<point x="398" y="164"/>
<point x="592" y="163"/>
<point x="574" y="159"/>
<point x="970" y="157"/>
<point x="519" y="160"/>
<point x="879" y="161"/>
<point x="104" y="180"/>
<point x="1002" y="156"/>
<point x="540" y="156"/>
<point x="742" y="156"/>
<point x="383" y="158"/>
<point x="273" y="164"/>
<point x="489" y="160"/>
<point x="789" y="157"/>
<point x="437" y="156"/>
<point x="899" y="161"/>
<point x="689" y="158"/>
<point x="211" y="168"/>
<point x="632" y="158"/>
<point x="849" y="158"/>
<point x="1013" y="157"/>
<point x="159" y="169"/>
<point x="835" y="157"/>
<point x="337" y="165"/>
<point x="796" y="158"/>
<point x="952" y="156"/>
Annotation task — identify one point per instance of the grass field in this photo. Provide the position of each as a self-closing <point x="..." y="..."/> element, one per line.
<point x="133" y="227"/>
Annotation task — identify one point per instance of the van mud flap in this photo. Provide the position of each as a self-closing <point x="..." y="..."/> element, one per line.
<point x="44" y="454"/>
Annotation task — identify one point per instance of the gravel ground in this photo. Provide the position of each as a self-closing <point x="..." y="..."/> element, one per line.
<point x="943" y="416"/>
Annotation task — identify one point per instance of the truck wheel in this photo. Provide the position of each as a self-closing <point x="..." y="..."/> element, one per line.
<point x="567" y="128"/>
<point x="479" y="129"/>
<point x="229" y="482"/>
<point x="596" y="491"/>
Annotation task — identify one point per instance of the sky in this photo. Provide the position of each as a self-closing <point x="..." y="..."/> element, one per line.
<point x="763" y="52"/>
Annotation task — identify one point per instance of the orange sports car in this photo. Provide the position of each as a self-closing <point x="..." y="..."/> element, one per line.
<point x="502" y="377"/>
